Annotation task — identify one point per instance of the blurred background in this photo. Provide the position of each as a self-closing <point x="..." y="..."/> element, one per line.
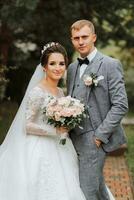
<point x="26" y="25"/>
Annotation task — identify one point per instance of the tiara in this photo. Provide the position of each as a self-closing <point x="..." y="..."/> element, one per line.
<point x="47" y="46"/>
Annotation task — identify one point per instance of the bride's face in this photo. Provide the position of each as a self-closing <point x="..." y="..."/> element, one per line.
<point x="56" y="66"/>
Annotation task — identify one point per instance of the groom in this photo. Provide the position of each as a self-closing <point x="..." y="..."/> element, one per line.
<point x="96" y="80"/>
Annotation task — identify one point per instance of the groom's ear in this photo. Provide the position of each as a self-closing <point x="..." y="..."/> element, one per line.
<point x="71" y="39"/>
<point x="94" y="37"/>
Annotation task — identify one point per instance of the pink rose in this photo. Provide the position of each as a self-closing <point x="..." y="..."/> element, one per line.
<point x="88" y="80"/>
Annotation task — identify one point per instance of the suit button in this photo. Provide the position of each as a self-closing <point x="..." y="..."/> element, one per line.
<point x="90" y="106"/>
<point x="78" y="85"/>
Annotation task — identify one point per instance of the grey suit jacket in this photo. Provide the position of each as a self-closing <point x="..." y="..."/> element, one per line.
<point x="107" y="102"/>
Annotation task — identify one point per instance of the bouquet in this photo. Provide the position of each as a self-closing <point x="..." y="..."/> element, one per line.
<point x="65" y="112"/>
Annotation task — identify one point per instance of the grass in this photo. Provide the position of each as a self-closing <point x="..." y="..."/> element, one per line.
<point x="130" y="114"/>
<point x="130" y="152"/>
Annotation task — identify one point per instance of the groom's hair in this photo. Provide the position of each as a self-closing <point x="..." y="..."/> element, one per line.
<point x="53" y="47"/>
<point x="81" y="23"/>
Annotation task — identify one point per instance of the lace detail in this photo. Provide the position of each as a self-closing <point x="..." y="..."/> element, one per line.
<point x="48" y="182"/>
<point x="36" y="123"/>
<point x="36" y="97"/>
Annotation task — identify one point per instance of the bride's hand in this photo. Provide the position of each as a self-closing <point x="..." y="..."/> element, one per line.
<point x="62" y="130"/>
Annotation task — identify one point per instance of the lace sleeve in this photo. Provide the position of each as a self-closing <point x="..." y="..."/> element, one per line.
<point x="61" y="92"/>
<point x="34" y="103"/>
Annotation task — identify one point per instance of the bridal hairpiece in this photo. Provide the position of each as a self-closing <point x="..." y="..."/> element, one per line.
<point x="47" y="46"/>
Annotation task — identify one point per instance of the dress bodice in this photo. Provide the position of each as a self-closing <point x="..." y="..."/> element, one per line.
<point x="36" y="121"/>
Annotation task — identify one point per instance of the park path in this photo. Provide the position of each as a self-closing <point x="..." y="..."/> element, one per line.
<point x="118" y="178"/>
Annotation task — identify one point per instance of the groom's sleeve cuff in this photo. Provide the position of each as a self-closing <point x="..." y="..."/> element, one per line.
<point x="101" y="137"/>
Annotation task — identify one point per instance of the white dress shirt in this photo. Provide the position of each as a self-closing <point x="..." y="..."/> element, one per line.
<point x="90" y="58"/>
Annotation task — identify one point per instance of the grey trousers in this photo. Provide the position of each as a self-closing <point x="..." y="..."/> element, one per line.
<point x="91" y="163"/>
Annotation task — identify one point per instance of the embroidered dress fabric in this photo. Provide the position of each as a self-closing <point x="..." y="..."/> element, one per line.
<point x="50" y="170"/>
<point x="51" y="176"/>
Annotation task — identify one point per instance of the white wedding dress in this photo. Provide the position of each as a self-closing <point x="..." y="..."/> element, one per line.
<point x="33" y="165"/>
<point x="53" y="170"/>
<point x="50" y="171"/>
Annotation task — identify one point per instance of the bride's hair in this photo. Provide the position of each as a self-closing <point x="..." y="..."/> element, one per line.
<point x="52" y="47"/>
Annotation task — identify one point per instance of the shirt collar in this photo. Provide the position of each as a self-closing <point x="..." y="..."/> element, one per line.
<point x="92" y="54"/>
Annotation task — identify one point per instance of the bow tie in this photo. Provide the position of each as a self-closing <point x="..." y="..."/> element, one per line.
<point x="83" y="61"/>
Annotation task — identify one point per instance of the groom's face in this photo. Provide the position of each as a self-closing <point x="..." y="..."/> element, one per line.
<point x="83" y="40"/>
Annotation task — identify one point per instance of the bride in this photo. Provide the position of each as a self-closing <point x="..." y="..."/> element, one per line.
<point x="33" y="165"/>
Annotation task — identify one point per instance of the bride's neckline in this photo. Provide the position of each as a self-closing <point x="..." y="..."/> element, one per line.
<point x="48" y="91"/>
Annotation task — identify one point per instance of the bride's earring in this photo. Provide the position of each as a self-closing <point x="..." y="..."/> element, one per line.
<point x="44" y="70"/>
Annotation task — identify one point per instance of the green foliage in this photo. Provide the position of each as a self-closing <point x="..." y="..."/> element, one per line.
<point x="3" y="81"/>
<point x="29" y="4"/>
<point x="7" y="113"/>
<point x="68" y="122"/>
<point x="130" y="87"/>
<point x="130" y="153"/>
<point x="127" y="57"/>
<point x="26" y="25"/>
<point x="40" y="21"/>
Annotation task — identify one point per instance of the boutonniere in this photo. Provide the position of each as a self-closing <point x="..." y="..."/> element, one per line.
<point x="92" y="79"/>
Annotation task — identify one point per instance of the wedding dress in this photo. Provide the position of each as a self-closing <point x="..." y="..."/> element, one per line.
<point x="33" y="165"/>
<point x="53" y="173"/>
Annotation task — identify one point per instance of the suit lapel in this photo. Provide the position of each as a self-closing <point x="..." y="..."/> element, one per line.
<point x="72" y="78"/>
<point x="93" y="67"/>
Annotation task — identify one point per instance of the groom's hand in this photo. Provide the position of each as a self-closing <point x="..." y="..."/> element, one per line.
<point x="98" y="142"/>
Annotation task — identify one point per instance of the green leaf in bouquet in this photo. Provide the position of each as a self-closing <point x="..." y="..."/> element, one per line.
<point x="63" y="141"/>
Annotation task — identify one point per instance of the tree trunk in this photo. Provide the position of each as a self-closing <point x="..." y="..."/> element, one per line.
<point x="5" y="42"/>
